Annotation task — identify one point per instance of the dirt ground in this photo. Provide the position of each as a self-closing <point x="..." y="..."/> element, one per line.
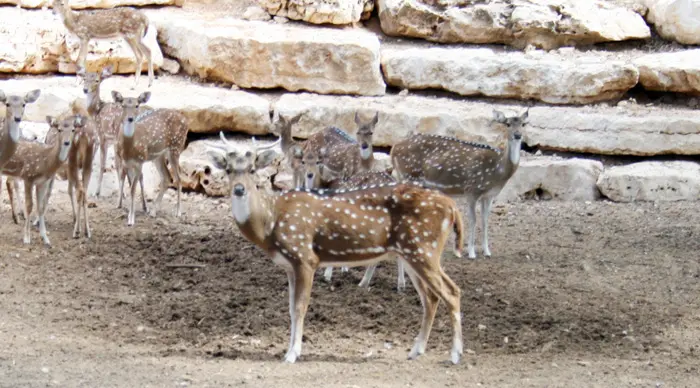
<point x="594" y="295"/>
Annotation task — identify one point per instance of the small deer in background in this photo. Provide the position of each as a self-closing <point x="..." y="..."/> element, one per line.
<point x="36" y="164"/>
<point x="126" y="22"/>
<point x="108" y="122"/>
<point x="304" y="230"/>
<point x="156" y="135"/>
<point x="456" y="167"/>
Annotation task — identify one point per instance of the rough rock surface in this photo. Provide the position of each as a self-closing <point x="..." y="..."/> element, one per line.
<point x="254" y="54"/>
<point x="81" y="4"/>
<point x="545" y="23"/>
<point x="208" y="108"/>
<point x="320" y="12"/>
<point x="677" y="20"/>
<point x="623" y="130"/>
<point x="548" y="177"/>
<point x="670" y="72"/>
<point x="37" y="42"/>
<point x="564" y="77"/>
<point x="652" y="181"/>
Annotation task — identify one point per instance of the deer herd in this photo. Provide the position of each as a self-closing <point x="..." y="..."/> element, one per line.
<point x="341" y="213"/>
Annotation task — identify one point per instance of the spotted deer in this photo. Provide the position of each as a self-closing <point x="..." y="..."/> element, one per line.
<point x="155" y="135"/>
<point x="78" y="170"/>
<point x="107" y="117"/>
<point x="126" y="22"/>
<point x="456" y="167"/>
<point x="302" y="230"/>
<point x="36" y="164"/>
<point x="11" y="134"/>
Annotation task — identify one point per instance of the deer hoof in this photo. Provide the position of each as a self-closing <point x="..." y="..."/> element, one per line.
<point x="290" y="357"/>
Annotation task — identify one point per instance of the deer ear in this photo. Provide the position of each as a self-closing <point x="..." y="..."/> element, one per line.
<point x="295" y="119"/>
<point x="51" y="120"/>
<point x="375" y="120"/>
<point x="117" y="97"/>
<point x="525" y="114"/>
<point x="32" y="96"/>
<point x="499" y="117"/>
<point x="265" y="159"/>
<point x="144" y="97"/>
<point x="80" y="71"/>
<point x="218" y="160"/>
<point x="107" y="71"/>
<point x="358" y="121"/>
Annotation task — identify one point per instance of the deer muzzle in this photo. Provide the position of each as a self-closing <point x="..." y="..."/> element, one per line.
<point x="238" y="190"/>
<point x="18" y="119"/>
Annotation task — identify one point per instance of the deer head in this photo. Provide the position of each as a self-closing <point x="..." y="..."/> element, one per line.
<point x="65" y="130"/>
<point x="131" y="109"/>
<point x="514" y="126"/>
<point x="282" y="127"/>
<point x="14" y="110"/>
<point x="364" y="135"/>
<point x="93" y="79"/>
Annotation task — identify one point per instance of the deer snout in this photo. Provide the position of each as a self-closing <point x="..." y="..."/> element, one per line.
<point x="66" y="143"/>
<point x="364" y="146"/>
<point x="85" y="90"/>
<point x="130" y="119"/>
<point x="310" y="175"/>
<point x="18" y="119"/>
<point x="517" y="136"/>
<point x="238" y="190"/>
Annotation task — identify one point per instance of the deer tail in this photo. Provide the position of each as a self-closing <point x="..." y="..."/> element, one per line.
<point x="458" y="227"/>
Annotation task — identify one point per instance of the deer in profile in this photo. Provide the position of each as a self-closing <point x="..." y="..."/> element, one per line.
<point x="461" y="168"/>
<point x="107" y="117"/>
<point x="36" y="164"/>
<point x="155" y="135"/>
<point x="303" y="230"/>
<point x="126" y="22"/>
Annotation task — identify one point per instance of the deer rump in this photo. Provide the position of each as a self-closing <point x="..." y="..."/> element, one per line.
<point x="358" y="228"/>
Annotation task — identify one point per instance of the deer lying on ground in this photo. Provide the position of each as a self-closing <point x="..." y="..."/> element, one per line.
<point x="36" y="164"/>
<point x="126" y="22"/>
<point x="304" y="230"/>
<point x="80" y="157"/>
<point x="11" y="134"/>
<point x="150" y="136"/>
<point x="108" y="122"/>
<point x="344" y="154"/>
<point x="456" y="167"/>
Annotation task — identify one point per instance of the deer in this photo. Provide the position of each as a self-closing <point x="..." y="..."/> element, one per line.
<point x="108" y="121"/>
<point x="80" y="158"/>
<point x="155" y="135"/>
<point x="456" y="167"/>
<point x="11" y="133"/>
<point x="303" y="229"/>
<point x="36" y="164"/>
<point x="334" y="142"/>
<point x="126" y="22"/>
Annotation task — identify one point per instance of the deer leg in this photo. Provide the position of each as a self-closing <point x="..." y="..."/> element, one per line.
<point x="303" y="279"/>
<point x="41" y="194"/>
<point x="82" y="55"/>
<point x="486" y="203"/>
<point x="471" y="218"/>
<point x="15" y="185"/>
<point x="27" y="210"/>
<point x="429" y="301"/>
<point x="87" y="173"/>
<point x="135" y="47"/>
<point x="121" y="175"/>
<point x="174" y="159"/>
<point x="401" y="277"/>
<point x="367" y="277"/>
<point x="103" y="164"/>
<point x="11" y="195"/>
<point x="134" y="175"/>
<point x="143" y="196"/>
<point x="328" y="274"/>
<point x="149" y="57"/>
<point x="164" y="178"/>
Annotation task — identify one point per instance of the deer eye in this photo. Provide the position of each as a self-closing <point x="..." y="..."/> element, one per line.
<point x="229" y="170"/>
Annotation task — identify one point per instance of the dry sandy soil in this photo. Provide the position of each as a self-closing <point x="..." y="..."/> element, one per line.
<point x="594" y="295"/>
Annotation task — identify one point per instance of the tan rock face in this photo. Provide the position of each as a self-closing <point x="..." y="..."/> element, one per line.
<point x="618" y="131"/>
<point x="557" y="179"/>
<point x="208" y="108"/>
<point x="652" y="181"/>
<point x="564" y="77"/>
<point x="544" y="23"/>
<point x="37" y="42"/>
<point x="320" y="12"/>
<point x="254" y="54"/>
<point x="670" y="72"/>
<point x="677" y="20"/>
<point x="82" y="4"/>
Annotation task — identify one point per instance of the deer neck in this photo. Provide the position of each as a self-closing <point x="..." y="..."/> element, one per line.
<point x="512" y="156"/>
<point x="287" y="141"/>
<point x="9" y="138"/>
<point x="366" y="164"/>
<point x="254" y="215"/>
<point x="67" y="16"/>
<point x="94" y="102"/>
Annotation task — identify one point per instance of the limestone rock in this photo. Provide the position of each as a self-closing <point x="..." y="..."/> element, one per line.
<point x="567" y="77"/>
<point x="82" y="4"/>
<point x="558" y="178"/>
<point x="37" y="42"/>
<point x="208" y="108"/>
<point x="630" y="130"/>
<point x="199" y="174"/>
<point x="670" y="72"/>
<point x="320" y="12"/>
<point x="652" y="181"/>
<point x="544" y="23"/>
<point x="677" y="20"/>
<point x="255" y="54"/>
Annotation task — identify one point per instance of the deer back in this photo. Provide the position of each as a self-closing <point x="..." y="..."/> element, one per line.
<point x="362" y="179"/>
<point x="104" y="23"/>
